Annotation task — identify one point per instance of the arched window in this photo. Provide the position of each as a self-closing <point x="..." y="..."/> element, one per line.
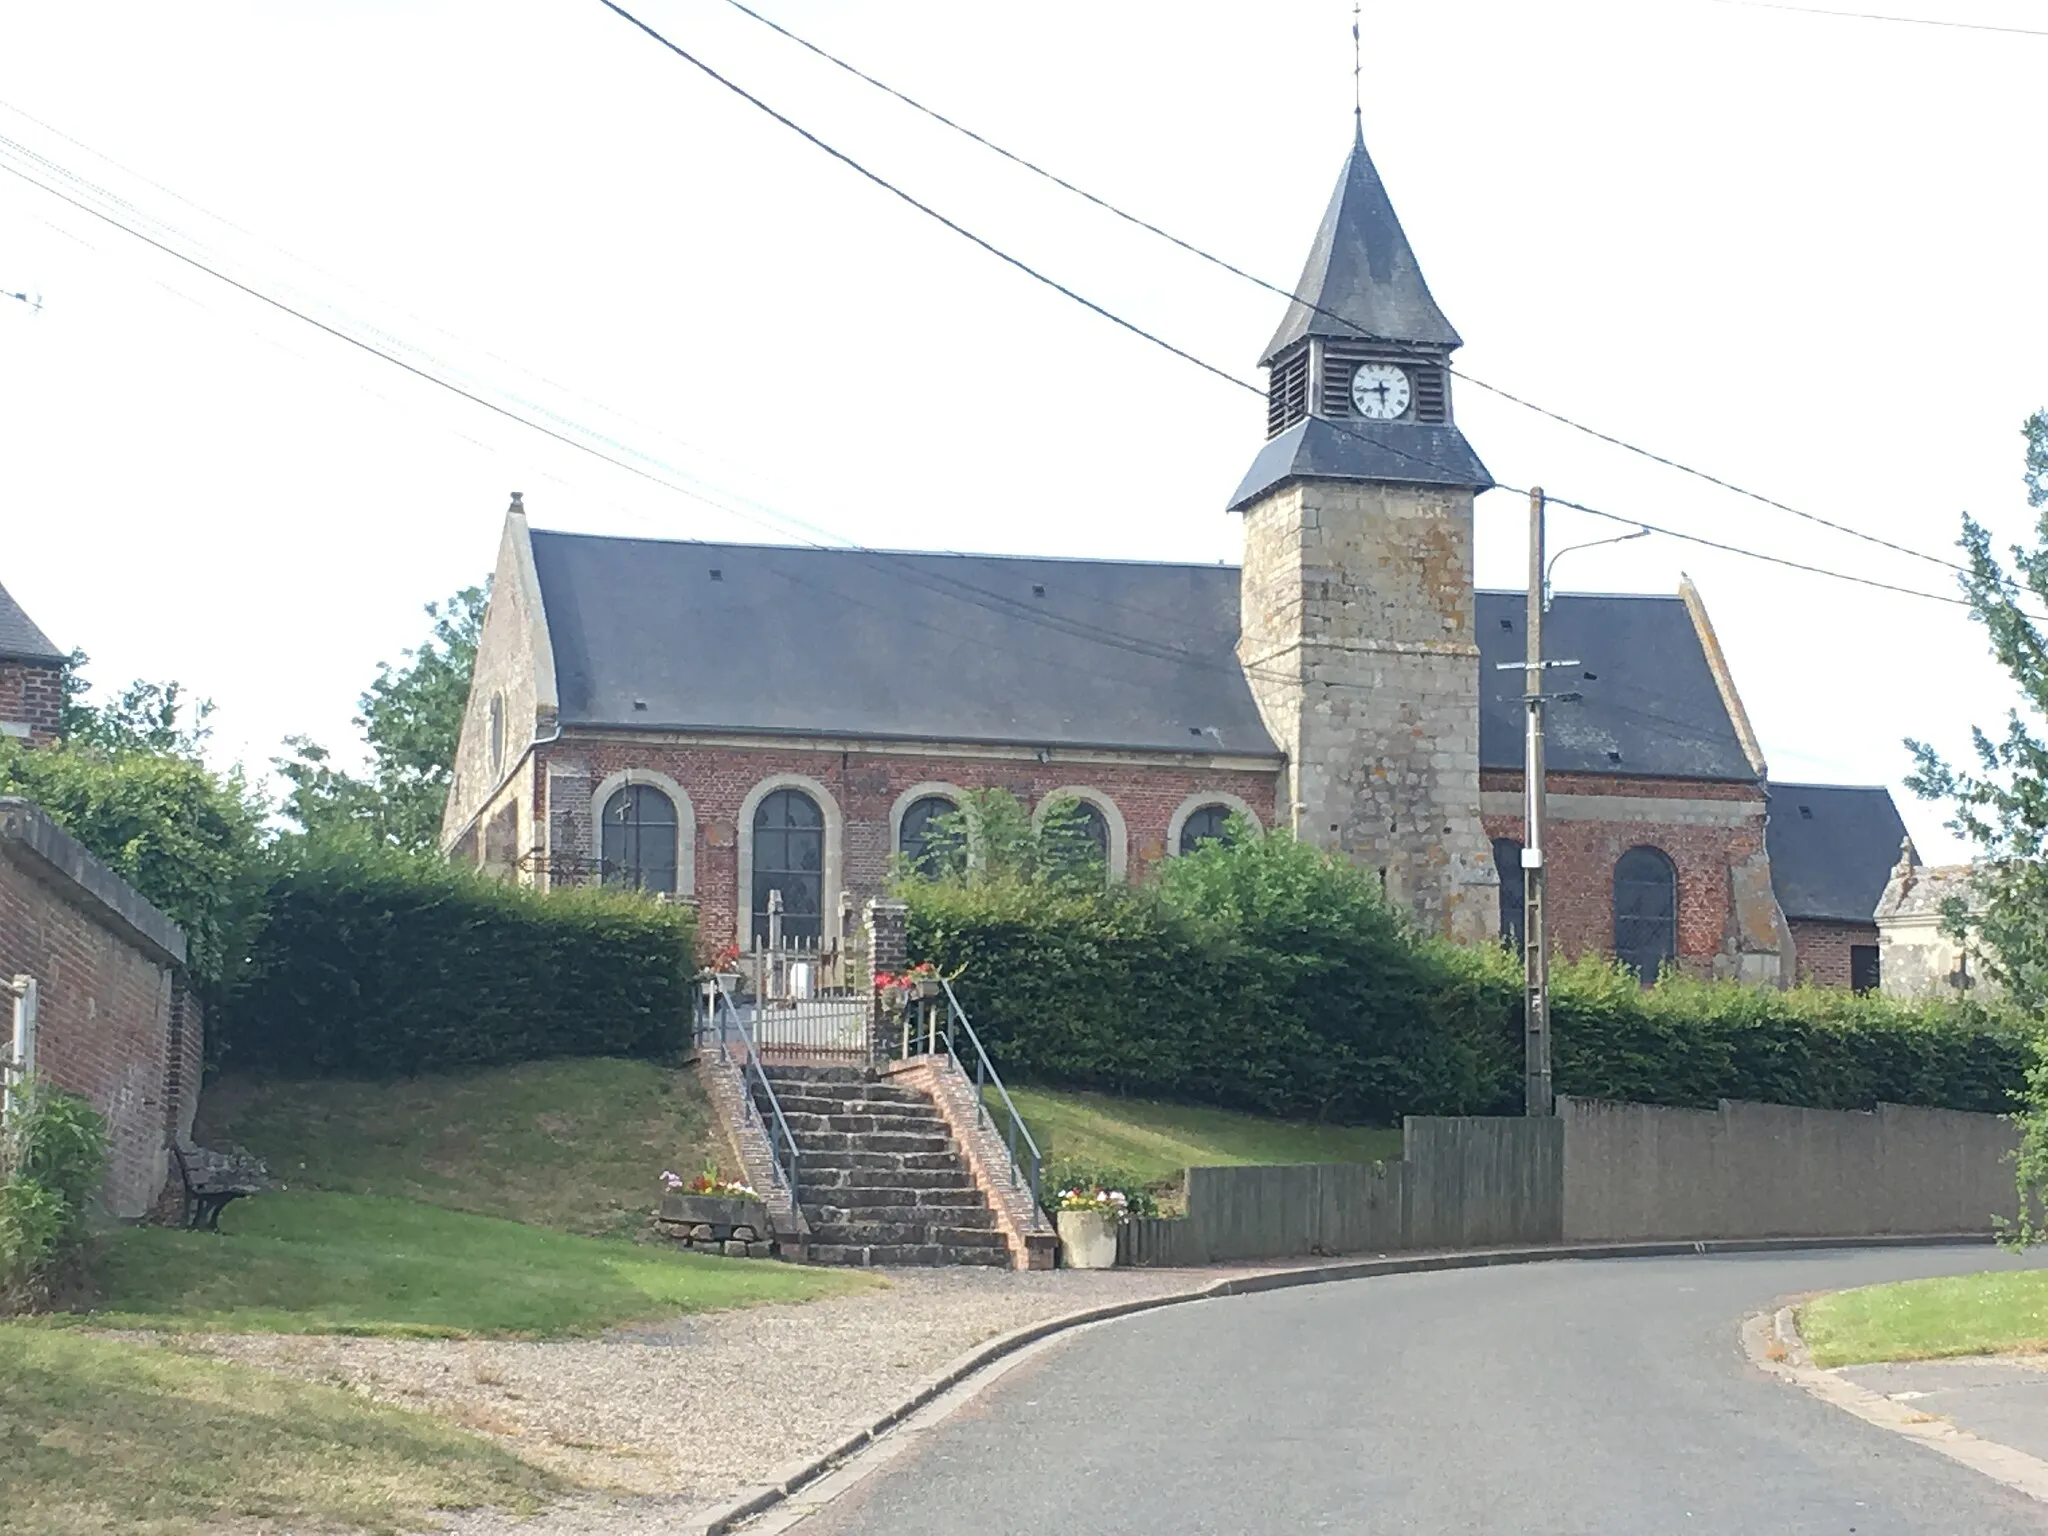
<point x="639" y="839"/>
<point x="1645" y="911"/>
<point x="1507" y="862"/>
<point x="915" y="839"/>
<point x="1205" y="824"/>
<point x="1095" y="827"/>
<point x="497" y="734"/>
<point x="789" y="856"/>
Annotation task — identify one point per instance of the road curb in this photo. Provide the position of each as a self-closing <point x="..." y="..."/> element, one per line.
<point x="794" y="1476"/>
<point x="1773" y="1343"/>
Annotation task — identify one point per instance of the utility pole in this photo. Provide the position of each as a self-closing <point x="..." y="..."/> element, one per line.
<point x="1537" y="1097"/>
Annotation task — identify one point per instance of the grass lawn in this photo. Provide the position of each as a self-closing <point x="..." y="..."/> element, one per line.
<point x="99" y="1436"/>
<point x="321" y="1263"/>
<point x="575" y="1145"/>
<point x="1154" y="1142"/>
<point x="1927" y="1319"/>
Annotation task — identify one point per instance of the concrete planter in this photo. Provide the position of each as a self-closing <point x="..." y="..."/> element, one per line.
<point x="1087" y="1239"/>
<point x="715" y="1211"/>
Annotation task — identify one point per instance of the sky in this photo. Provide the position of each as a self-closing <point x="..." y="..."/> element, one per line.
<point x="1802" y="253"/>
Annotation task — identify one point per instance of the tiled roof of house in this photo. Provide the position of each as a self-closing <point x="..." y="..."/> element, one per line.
<point x="1832" y="849"/>
<point x="20" y="639"/>
<point x="1060" y="653"/>
<point x="1649" y="708"/>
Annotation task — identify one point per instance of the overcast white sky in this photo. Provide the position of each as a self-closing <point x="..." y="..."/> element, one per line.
<point x="1802" y="252"/>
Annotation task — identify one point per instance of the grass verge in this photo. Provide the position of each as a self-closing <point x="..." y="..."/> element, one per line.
<point x="97" y="1436"/>
<point x="1153" y="1142"/>
<point x="323" y="1263"/>
<point x="1929" y="1319"/>
<point x="574" y="1145"/>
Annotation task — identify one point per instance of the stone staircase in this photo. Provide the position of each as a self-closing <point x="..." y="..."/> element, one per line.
<point x="879" y="1177"/>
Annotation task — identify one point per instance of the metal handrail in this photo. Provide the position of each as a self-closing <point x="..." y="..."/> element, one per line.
<point x="984" y="1074"/>
<point x="780" y="1138"/>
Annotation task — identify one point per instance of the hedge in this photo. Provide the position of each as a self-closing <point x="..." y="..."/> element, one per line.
<point x="1267" y="977"/>
<point x="372" y="962"/>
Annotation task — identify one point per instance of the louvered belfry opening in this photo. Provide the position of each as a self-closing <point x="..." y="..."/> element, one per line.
<point x="1430" y="404"/>
<point x="1287" y="391"/>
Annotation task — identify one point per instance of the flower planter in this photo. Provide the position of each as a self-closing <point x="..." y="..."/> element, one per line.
<point x="1087" y="1239"/>
<point x="714" y="1211"/>
<point x="927" y="988"/>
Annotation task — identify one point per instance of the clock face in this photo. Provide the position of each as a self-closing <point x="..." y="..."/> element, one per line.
<point x="1379" y="391"/>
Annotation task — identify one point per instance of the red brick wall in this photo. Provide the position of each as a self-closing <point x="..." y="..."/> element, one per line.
<point x="32" y="694"/>
<point x="1581" y="857"/>
<point x="112" y="1028"/>
<point x="1821" y="949"/>
<point x="866" y="784"/>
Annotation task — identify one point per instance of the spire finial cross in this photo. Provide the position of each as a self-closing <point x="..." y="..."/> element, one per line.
<point x="1357" y="99"/>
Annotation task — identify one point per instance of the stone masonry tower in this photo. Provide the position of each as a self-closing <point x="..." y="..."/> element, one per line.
<point x="1357" y="624"/>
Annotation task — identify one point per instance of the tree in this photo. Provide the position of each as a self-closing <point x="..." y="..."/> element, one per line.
<point x="2001" y="803"/>
<point x="187" y="838"/>
<point x="143" y="717"/>
<point x="992" y="837"/>
<point x="411" y="720"/>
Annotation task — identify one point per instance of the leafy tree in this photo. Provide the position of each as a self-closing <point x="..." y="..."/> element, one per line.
<point x="992" y="838"/>
<point x="187" y="838"/>
<point x="143" y="717"/>
<point x="411" y="721"/>
<point x="2001" y="803"/>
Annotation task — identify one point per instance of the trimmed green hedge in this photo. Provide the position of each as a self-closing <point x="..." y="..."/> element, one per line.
<point x="1270" y="978"/>
<point x="375" y="963"/>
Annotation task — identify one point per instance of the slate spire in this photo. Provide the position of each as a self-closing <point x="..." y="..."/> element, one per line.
<point x="1362" y="270"/>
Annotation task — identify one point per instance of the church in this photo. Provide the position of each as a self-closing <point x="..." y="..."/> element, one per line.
<point x="655" y="713"/>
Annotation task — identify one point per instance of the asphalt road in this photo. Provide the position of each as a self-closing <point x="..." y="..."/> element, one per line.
<point x="1605" y="1398"/>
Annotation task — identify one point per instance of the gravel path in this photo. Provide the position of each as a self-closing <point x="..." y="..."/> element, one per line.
<point x="673" y="1416"/>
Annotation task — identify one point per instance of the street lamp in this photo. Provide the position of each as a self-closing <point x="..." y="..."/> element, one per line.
<point x="1619" y="538"/>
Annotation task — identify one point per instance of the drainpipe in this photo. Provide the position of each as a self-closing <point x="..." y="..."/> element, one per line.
<point x="21" y="1061"/>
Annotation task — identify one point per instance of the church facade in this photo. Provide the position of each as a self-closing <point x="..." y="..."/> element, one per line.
<point x="717" y="722"/>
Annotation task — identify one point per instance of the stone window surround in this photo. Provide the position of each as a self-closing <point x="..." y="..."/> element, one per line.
<point x="686" y="820"/>
<point x="830" y="879"/>
<point x="1197" y="801"/>
<point x="1677" y="891"/>
<point x="910" y="797"/>
<point x="1119" y="837"/>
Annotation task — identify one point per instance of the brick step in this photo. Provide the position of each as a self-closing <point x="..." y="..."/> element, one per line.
<point x="852" y="1076"/>
<point x="896" y="1234"/>
<point x="831" y="1212"/>
<point x="923" y="1254"/>
<point x="850" y="1104"/>
<point x="928" y="1143"/>
<point x="843" y="1159"/>
<point x="866" y="1125"/>
<point x="838" y="1181"/>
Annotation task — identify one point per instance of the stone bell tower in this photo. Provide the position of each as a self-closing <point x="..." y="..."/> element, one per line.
<point x="1357" y="603"/>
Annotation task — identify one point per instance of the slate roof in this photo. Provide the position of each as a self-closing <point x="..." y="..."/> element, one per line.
<point x="1119" y="654"/>
<point x="1651" y="707"/>
<point x="891" y="645"/>
<point x="1832" y="848"/>
<point x="1401" y="451"/>
<point x="20" y="639"/>
<point x="1362" y="269"/>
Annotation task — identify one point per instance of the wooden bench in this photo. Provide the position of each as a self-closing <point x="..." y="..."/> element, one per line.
<point x="213" y="1179"/>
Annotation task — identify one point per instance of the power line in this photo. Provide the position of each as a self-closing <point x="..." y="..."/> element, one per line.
<point x="1736" y="549"/>
<point x="1293" y="298"/>
<point x="1909" y="21"/>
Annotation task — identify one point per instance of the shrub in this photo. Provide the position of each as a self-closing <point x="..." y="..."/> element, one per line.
<point x="1265" y="975"/>
<point x="53" y="1151"/>
<point x="376" y="962"/>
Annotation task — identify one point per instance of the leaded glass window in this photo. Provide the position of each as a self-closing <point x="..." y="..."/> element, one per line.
<point x="639" y="839"/>
<point x="1645" y="912"/>
<point x="789" y="856"/>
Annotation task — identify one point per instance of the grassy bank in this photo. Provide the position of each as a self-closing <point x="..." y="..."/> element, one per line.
<point x="323" y="1263"/>
<point x="1153" y="1142"/>
<point x="574" y="1145"/>
<point x="97" y="1436"/>
<point x="1929" y="1319"/>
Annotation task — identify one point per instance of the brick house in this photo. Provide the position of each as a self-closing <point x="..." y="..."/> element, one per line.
<point x="31" y="677"/>
<point x="720" y="721"/>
